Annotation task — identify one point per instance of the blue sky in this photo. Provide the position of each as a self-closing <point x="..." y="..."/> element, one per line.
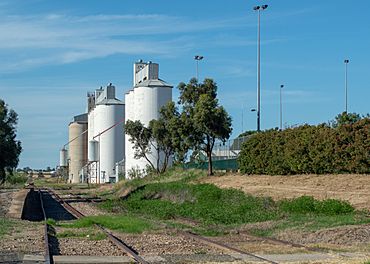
<point x="53" y="52"/>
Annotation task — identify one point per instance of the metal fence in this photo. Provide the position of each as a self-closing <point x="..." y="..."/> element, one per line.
<point x="229" y="149"/>
<point x="224" y="155"/>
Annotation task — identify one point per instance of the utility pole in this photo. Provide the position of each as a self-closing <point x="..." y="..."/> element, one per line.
<point x="258" y="9"/>
<point x="345" y="85"/>
<point x="281" y="107"/>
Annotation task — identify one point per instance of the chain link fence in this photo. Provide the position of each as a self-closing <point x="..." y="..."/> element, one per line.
<point x="229" y="149"/>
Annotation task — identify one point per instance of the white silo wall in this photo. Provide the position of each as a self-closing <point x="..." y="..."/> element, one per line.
<point x="111" y="142"/>
<point x="90" y="122"/>
<point x="130" y="115"/>
<point x="90" y="135"/>
<point x="145" y="104"/>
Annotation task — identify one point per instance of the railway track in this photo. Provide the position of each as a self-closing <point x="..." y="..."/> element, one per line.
<point x="269" y="239"/>
<point x="118" y="242"/>
<point x="207" y="241"/>
<point x="77" y="214"/>
<point x="48" y="258"/>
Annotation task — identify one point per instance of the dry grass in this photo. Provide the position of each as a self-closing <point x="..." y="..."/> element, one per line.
<point x="353" y="188"/>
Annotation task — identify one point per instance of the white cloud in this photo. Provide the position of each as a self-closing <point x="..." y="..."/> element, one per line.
<point x="36" y="40"/>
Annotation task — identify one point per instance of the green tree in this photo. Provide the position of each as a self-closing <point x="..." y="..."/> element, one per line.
<point x="162" y="136"/>
<point x="346" y="119"/>
<point x="141" y="137"/>
<point x="174" y="132"/>
<point x="10" y="148"/>
<point x="204" y="119"/>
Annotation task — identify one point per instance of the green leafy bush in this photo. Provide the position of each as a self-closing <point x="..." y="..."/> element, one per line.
<point x="307" y="204"/>
<point x="341" y="148"/>
<point x="16" y="178"/>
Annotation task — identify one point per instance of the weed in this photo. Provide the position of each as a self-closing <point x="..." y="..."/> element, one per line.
<point x="51" y="222"/>
<point x="5" y="226"/>
<point x="90" y="234"/>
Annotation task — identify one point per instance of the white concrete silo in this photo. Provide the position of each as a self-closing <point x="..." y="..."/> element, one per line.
<point x="143" y="103"/>
<point x="106" y="115"/>
<point x="77" y="148"/>
<point x="63" y="158"/>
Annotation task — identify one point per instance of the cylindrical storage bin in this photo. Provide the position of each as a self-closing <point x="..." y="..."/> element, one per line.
<point x="63" y="158"/>
<point x="93" y="154"/>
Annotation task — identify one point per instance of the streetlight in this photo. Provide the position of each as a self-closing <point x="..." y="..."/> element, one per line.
<point x="253" y="110"/>
<point x="242" y="119"/>
<point x="197" y="59"/>
<point x="258" y="9"/>
<point x="281" y="107"/>
<point x="345" y="83"/>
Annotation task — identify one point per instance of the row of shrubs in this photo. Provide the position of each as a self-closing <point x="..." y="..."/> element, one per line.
<point x="337" y="148"/>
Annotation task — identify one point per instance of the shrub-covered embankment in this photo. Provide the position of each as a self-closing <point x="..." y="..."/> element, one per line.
<point x="210" y="205"/>
<point x="342" y="148"/>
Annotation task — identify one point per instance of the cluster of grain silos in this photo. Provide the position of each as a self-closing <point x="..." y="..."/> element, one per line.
<point x="98" y="148"/>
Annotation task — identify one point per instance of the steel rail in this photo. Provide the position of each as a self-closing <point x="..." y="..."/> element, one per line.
<point x="270" y="239"/>
<point x="287" y="243"/>
<point x="223" y="246"/>
<point x="116" y="241"/>
<point x="46" y="236"/>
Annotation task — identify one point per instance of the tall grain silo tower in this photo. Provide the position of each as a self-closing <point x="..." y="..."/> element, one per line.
<point x="105" y="132"/>
<point x="143" y="103"/>
<point x="77" y="147"/>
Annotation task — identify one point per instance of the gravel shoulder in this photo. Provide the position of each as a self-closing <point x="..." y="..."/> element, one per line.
<point x="25" y="237"/>
<point x="166" y="242"/>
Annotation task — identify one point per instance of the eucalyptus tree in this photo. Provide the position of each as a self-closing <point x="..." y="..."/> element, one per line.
<point x="10" y="147"/>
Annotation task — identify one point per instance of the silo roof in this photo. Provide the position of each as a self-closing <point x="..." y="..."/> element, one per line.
<point x="110" y="102"/>
<point x="153" y="83"/>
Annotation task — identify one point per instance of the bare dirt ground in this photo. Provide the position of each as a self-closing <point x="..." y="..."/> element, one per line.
<point x="354" y="188"/>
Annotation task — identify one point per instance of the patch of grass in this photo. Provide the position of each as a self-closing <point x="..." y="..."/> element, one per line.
<point x="122" y="223"/>
<point x="312" y="222"/>
<point x="90" y="234"/>
<point x="51" y="222"/>
<point x="5" y="226"/>
<point x="307" y="204"/>
<point x="204" y="202"/>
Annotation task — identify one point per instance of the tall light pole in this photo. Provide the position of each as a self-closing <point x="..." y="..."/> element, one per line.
<point x="281" y="106"/>
<point x="198" y="58"/>
<point x="258" y="9"/>
<point x="242" y="119"/>
<point x="345" y="84"/>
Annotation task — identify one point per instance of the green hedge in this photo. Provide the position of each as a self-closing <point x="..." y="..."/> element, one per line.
<point x="309" y="149"/>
